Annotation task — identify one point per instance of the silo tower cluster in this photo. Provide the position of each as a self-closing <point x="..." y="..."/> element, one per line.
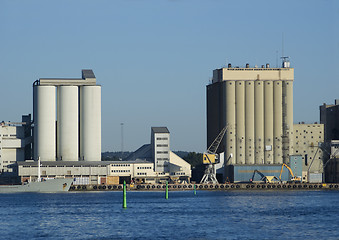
<point x="67" y="118"/>
<point x="257" y="105"/>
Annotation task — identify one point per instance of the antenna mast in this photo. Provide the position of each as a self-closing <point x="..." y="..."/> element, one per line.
<point x="122" y="139"/>
<point x="285" y="59"/>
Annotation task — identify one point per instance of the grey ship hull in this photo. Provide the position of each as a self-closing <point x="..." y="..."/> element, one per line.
<point x="47" y="186"/>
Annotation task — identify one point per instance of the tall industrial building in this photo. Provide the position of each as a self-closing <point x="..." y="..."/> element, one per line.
<point x="329" y="116"/>
<point x="160" y="142"/>
<point x="15" y="146"/>
<point x="67" y="118"/>
<point x="256" y="103"/>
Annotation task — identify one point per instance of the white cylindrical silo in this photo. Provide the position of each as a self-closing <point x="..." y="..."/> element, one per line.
<point x="90" y="123"/>
<point x="249" y="122"/>
<point x="268" y="128"/>
<point x="259" y="121"/>
<point x="68" y="128"/>
<point x="44" y="123"/>
<point x="230" y="120"/>
<point x="277" y="125"/>
<point x="240" y="121"/>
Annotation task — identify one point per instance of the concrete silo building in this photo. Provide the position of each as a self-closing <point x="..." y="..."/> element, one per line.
<point x="67" y="118"/>
<point x="257" y="105"/>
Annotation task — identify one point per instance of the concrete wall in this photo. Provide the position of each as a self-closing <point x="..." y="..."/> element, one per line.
<point x="307" y="138"/>
<point x="179" y="166"/>
<point x="214" y="110"/>
<point x="243" y="173"/>
<point x="12" y="146"/>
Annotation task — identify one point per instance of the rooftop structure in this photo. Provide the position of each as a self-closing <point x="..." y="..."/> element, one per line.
<point x="88" y="78"/>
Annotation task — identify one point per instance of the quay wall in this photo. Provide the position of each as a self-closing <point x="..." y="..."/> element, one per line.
<point x="206" y="187"/>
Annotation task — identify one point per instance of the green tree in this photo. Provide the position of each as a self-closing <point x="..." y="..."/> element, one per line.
<point x="193" y="158"/>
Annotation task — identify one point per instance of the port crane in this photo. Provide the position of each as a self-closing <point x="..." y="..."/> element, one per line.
<point x="293" y="178"/>
<point x="210" y="157"/>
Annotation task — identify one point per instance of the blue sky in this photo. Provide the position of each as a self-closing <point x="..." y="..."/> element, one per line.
<point x="154" y="58"/>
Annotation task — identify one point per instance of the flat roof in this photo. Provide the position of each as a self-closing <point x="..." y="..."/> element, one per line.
<point x="78" y="163"/>
<point x="88" y="78"/>
<point x="264" y="74"/>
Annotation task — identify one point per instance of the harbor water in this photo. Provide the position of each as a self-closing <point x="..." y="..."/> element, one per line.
<point x="206" y="215"/>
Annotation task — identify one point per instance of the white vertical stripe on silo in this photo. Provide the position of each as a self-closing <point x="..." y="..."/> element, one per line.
<point x="90" y="123"/>
<point x="259" y="121"/>
<point x="289" y="113"/>
<point x="240" y="120"/>
<point x="277" y="126"/>
<point x="249" y="122"/>
<point x="230" y="120"/>
<point x="68" y="129"/>
<point x="268" y="122"/>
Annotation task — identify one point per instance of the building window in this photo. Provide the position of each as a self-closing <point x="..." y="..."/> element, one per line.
<point x="164" y="138"/>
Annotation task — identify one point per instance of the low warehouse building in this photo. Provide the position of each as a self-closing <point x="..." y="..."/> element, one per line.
<point x="141" y="166"/>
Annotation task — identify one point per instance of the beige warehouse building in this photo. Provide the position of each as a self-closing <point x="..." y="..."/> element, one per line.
<point x="308" y="139"/>
<point x="257" y="105"/>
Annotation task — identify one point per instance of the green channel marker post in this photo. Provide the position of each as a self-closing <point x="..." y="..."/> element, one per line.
<point x="124" y="204"/>
<point x="195" y="190"/>
<point x="166" y="190"/>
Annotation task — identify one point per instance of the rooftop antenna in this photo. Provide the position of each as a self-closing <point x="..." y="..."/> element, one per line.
<point x="282" y="43"/>
<point x="285" y="59"/>
<point x="122" y="139"/>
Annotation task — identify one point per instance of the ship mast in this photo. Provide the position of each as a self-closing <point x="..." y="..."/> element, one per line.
<point x="39" y="174"/>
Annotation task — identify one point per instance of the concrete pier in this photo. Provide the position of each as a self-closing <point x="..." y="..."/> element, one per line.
<point x="208" y="187"/>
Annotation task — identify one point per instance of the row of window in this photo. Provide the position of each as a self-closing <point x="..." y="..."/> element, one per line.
<point x="177" y="173"/>
<point x="144" y="167"/>
<point x="255" y="69"/>
<point x="305" y="136"/>
<point x="25" y="166"/>
<point x="166" y="159"/>
<point x="120" y="165"/>
<point x="162" y="145"/>
<point x="306" y="131"/>
<point x="297" y="143"/>
<point x="141" y="173"/>
<point x="120" y="170"/>
<point x="159" y="152"/>
<point x="10" y="135"/>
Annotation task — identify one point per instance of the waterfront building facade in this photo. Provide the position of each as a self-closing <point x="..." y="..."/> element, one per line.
<point x="257" y="106"/>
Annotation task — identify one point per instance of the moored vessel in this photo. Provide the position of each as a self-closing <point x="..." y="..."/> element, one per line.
<point x="46" y="186"/>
